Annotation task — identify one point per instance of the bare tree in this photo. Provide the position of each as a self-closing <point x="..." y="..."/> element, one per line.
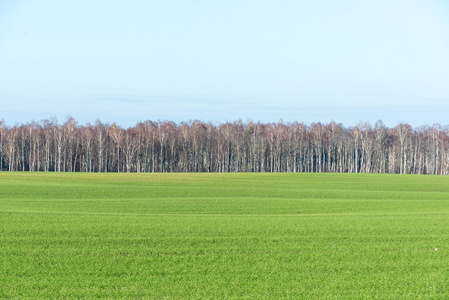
<point x="3" y="132"/>
<point x="100" y="131"/>
<point x="130" y="145"/>
<point x="117" y="136"/>
<point x="230" y="147"/>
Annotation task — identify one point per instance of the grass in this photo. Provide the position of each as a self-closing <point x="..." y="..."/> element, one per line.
<point x="255" y="236"/>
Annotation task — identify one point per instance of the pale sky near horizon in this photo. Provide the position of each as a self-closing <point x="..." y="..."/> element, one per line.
<point x="349" y="61"/>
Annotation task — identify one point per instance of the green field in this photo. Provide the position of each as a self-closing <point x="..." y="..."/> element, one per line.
<point x="322" y="236"/>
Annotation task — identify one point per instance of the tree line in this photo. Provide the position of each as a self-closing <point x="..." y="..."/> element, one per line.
<point x="196" y="146"/>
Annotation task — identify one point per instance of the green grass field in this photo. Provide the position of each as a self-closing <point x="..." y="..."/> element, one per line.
<point x="322" y="236"/>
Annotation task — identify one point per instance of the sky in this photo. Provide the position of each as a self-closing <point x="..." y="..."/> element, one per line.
<point x="347" y="61"/>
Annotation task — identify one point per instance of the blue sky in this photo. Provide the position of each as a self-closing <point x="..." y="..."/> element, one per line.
<point x="306" y="60"/>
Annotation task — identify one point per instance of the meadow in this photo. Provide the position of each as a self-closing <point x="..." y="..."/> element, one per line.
<point x="233" y="235"/>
